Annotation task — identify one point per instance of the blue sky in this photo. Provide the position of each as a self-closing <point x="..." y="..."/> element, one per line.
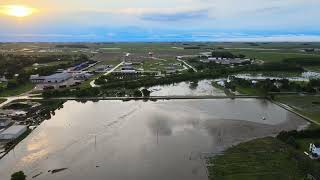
<point x="165" y="20"/>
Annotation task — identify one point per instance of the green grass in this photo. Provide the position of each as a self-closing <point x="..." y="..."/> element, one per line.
<point x="156" y="65"/>
<point x="86" y="84"/>
<point x="249" y="91"/>
<point x="305" y="142"/>
<point x="17" y="91"/>
<point x="304" y="104"/>
<point x="54" y="63"/>
<point x="260" y="159"/>
<point x="3" y="84"/>
<point x="272" y="56"/>
<point x="313" y="68"/>
<point x="105" y="62"/>
<point x="2" y="100"/>
<point x="281" y="74"/>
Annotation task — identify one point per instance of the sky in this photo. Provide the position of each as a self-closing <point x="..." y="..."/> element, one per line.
<point x="163" y="20"/>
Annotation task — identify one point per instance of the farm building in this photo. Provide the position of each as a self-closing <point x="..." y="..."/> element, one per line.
<point x="13" y="132"/>
<point x="54" y="78"/>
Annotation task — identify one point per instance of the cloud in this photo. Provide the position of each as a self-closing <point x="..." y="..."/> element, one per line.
<point x="273" y="38"/>
<point x="178" y="16"/>
<point x="165" y="20"/>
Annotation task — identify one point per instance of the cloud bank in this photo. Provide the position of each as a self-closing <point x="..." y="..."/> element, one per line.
<point x="183" y="20"/>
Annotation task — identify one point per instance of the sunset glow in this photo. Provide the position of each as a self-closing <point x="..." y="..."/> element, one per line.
<point x="17" y="10"/>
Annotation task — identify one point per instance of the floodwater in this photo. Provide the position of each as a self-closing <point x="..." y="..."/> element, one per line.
<point x="201" y="88"/>
<point x="305" y="76"/>
<point x="141" y="140"/>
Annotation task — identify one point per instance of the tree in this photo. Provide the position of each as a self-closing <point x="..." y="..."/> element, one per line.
<point x="190" y="70"/>
<point x="291" y="141"/>
<point x="146" y="92"/>
<point x="18" y="176"/>
<point x="137" y="93"/>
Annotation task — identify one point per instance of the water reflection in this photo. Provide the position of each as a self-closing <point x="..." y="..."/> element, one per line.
<point x="194" y="88"/>
<point x="160" y="126"/>
<point x="141" y="140"/>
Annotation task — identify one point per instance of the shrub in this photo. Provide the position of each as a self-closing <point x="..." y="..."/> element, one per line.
<point x="18" y="176"/>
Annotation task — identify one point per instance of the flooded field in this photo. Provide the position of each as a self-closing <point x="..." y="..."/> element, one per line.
<point x="201" y="88"/>
<point x="305" y="76"/>
<point x="141" y="140"/>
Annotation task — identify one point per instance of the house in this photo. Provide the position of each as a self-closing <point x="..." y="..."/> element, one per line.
<point x="315" y="150"/>
<point x="13" y="132"/>
<point x="54" y="78"/>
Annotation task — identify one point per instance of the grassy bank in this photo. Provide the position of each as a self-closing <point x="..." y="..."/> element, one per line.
<point x="17" y="91"/>
<point x="307" y="105"/>
<point x="2" y="100"/>
<point x="267" y="158"/>
<point x="249" y="91"/>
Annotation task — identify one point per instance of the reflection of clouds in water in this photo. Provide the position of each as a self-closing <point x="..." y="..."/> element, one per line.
<point x="264" y="103"/>
<point x="168" y="121"/>
<point x="202" y="87"/>
<point x="160" y="125"/>
<point x="33" y="156"/>
<point x="226" y="132"/>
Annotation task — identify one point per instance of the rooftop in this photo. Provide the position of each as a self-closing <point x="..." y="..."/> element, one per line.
<point x="58" y="75"/>
<point x="14" y="129"/>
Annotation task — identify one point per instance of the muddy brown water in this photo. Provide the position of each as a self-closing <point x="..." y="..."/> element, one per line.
<point x="142" y="140"/>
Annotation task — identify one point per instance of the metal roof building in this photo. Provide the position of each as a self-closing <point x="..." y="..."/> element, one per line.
<point x="13" y="132"/>
<point x="54" y="78"/>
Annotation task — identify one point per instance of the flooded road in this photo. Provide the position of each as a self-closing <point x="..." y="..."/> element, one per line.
<point x="200" y="88"/>
<point x="141" y="140"/>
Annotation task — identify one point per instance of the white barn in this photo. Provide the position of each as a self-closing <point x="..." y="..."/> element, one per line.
<point x="13" y="132"/>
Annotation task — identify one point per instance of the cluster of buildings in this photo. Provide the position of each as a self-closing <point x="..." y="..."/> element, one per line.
<point x="9" y="131"/>
<point x="103" y="68"/>
<point x="83" y="66"/>
<point x="54" y="78"/>
<point x="311" y="50"/>
<point x="59" y="80"/>
<point x="64" y="78"/>
<point x="226" y="61"/>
